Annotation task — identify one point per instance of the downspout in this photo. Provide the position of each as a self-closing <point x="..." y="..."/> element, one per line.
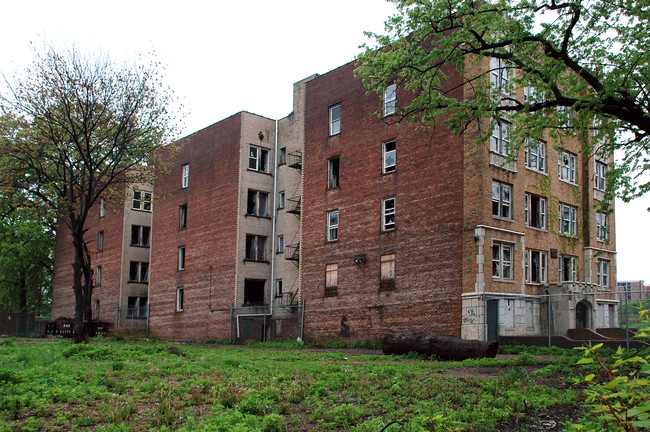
<point x="274" y="217"/>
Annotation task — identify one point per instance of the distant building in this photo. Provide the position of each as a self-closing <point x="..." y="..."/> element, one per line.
<point x="632" y="290"/>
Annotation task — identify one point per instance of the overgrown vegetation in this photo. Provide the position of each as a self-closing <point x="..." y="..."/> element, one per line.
<point x="112" y="385"/>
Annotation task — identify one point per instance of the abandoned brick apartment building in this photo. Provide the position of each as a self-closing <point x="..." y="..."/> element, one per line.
<point x="371" y="225"/>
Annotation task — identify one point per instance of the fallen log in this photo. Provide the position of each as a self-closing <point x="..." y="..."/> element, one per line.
<point x="444" y="347"/>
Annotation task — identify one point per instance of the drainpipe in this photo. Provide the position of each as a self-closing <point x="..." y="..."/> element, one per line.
<point x="274" y="218"/>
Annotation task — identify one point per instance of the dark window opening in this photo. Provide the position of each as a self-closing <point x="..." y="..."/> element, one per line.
<point x="254" y="292"/>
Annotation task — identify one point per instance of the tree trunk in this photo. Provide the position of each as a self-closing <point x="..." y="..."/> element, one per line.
<point x="82" y="286"/>
<point x="444" y="347"/>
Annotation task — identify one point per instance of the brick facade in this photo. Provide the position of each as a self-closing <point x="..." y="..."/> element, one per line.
<point x="426" y="241"/>
<point x="449" y="266"/>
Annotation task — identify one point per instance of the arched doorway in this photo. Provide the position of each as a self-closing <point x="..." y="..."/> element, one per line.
<point x="582" y="314"/>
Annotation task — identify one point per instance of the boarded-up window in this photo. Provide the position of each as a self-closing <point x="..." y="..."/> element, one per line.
<point x="331" y="279"/>
<point x="387" y="281"/>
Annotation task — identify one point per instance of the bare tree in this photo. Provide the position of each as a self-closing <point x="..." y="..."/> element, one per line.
<point x="76" y="127"/>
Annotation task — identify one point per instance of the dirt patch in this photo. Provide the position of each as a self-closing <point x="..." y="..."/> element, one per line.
<point x="552" y="419"/>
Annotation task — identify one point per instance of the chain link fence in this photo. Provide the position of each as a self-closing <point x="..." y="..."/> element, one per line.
<point x="568" y="320"/>
<point x="283" y="321"/>
<point x="24" y="324"/>
<point x="132" y="320"/>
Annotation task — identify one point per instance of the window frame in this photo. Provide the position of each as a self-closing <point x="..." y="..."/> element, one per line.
<point x="539" y="155"/>
<point x="600" y="175"/>
<point x="386" y="168"/>
<point x="335" y="122"/>
<point x="140" y="278"/>
<point x="387" y="272"/>
<point x="278" y="288"/>
<point x="387" y="213"/>
<point x="180" y="299"/>
<point x="390" y="100"/>
<point x="98" y="275"/>
<point x="500" y="137"/>
<point x="181" y="258"/>
<point x="145" y="200"/>
<point x="542" y="272"/>
<point x="571" y="222"/>
<point x="102" y="207"/>
<point x="501" y="264"/>
<point x="331" y="279"/>
<point x="100" y="241"/>
<point x="333" y="227"/>
<point x="603" y="267"/>
<point x="281" y="199"/>
<point x="333" y="172"/>
<point x="185" y="175"/>
<point x="140" y="229"/>
<point x="573" y="266"/>
<point x="501" y="203"/>
<point x="182" y="216"/>
<point x="260" y="160"/>
<point x="280" y="248"/>
<point x="500" y="75"/>
<point x="261" y="211"/>
<point x="567" y="170"/>
<point x="256" y="244"/>
<point x="602" y="226"/>
<point x="542" y="210"/>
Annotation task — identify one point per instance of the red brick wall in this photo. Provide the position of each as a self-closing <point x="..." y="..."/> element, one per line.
<point x="108" y="293"/>
<point x="428" y="188"/>
<point x="210" y="237"/>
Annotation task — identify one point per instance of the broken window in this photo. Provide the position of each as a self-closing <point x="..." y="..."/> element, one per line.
<point x="140" y="235"/>
<point x="139" y="272"/>
<point x="254" y="292"/>
<point x="567" y="268"/>
<point x="567" y="167"/>
<point x="333" y="173"/>
<point x="257" y="203"/>
<point x="535" y="210"/>
<point x="388" y="214"/>
<point x="255" y="248"/>
<point x="182" y="216"/>
<point x="258" y="159"/>
<point x="501" y="200"/>
<point x="142" y="200"/>
<point x="535" y="266"/>
<point x="136" y="307"/>
<point x="389" y="157"/>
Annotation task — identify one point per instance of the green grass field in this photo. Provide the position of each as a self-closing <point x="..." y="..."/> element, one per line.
<point x="144" y="385"/>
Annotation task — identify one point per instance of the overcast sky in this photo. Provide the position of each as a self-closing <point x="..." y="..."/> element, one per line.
<point x="223" y="57"/>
